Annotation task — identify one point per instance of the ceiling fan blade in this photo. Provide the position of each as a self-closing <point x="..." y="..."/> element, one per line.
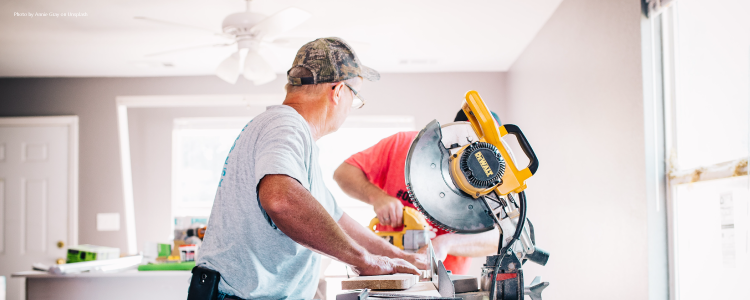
<point x="176" y="24"/>
<point x="280" y="22"/>
<point x="229" y="69"/>
<point x="257" y="69"/>
<point x="186" y="49"/>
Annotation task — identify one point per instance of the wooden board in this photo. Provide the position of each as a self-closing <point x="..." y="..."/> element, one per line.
<point x="382" y="282"/>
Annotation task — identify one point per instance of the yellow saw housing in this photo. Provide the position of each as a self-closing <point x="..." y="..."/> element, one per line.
<point x="410" y="237"/>
<point x="511" y="179"/>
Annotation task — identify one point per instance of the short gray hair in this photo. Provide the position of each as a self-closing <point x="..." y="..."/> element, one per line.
<point x="299" y="72"/>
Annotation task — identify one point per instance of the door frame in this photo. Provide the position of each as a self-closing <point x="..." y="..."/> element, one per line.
<point x="71" y="122"/>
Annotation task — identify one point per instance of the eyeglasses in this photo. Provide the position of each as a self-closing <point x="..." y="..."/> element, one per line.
<point x="358" y="101"/>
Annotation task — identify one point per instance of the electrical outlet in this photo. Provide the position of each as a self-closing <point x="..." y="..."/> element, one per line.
<point x="107" y="221"/>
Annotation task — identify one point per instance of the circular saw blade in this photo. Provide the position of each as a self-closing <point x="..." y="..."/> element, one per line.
<point x="430" y="185"/>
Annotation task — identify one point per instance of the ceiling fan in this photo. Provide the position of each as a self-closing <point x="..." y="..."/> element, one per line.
<point x="249" y="31"/>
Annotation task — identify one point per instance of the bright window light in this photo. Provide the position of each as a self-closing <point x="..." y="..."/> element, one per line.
<point x="711" y="239"/>
<point x="199" y="148"/>
<point x="712" y="78"/>
<point x="710" y="218"/>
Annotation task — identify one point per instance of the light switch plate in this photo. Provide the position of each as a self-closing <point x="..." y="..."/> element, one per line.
<point x="107" y="221"/>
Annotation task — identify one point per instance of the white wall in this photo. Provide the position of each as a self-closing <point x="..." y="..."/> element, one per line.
<point x="576" y="92"/>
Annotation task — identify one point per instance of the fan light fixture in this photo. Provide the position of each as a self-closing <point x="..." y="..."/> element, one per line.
<point x="251" y="32"/>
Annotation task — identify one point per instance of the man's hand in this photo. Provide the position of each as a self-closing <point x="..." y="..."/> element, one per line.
<point x="389" y="210"/>
<point x="421" y="259"/>
<point x="381" y="265"/>
<point x="354" y="183"/>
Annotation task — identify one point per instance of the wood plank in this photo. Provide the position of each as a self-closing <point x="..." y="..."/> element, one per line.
<point x="381" y="282"/>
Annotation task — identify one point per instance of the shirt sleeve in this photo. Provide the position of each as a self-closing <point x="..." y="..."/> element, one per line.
<point x="281" y="151"/>
<point x="373" y="161"/>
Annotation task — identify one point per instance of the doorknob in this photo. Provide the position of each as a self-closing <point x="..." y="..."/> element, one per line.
<point x="60" y="261"/>
<point x="60" y="244"/>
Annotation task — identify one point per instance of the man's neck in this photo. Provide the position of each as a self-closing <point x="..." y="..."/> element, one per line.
<point x="313" y="112"/>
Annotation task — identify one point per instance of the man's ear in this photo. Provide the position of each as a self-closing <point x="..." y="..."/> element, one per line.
<point x="337" y="92"/>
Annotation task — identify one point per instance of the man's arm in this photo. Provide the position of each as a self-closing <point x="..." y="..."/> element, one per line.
<point x="377" y="245"/>
<point x="301" y="217"/>
<point x="354" y="183"/>
<point x="467" y="245"/>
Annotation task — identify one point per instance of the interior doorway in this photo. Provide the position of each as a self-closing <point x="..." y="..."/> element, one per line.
<point x="38" y="194"/>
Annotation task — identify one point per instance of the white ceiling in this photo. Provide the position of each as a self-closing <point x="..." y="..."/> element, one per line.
<point x="404" y="35"/>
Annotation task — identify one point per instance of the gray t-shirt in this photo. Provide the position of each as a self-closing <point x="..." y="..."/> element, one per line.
<point x="256" y="260"/>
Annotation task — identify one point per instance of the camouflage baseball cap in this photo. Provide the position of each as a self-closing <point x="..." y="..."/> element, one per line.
<point x="329" y="60"/>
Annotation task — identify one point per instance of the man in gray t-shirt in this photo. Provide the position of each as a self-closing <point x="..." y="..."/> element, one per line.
<point x="273" y="214"/>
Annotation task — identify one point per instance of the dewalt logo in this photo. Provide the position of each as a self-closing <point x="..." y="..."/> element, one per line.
<point x="483" y="163"/>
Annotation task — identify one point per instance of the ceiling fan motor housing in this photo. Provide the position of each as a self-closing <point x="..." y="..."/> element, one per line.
<point x="477" y="168"/>
<point x="239" y="24"/>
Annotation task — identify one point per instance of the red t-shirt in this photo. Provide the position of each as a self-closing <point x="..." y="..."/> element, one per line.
<point x="383" y="164"/>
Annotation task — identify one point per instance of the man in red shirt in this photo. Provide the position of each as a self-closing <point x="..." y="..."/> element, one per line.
<point x="376" y="176"/>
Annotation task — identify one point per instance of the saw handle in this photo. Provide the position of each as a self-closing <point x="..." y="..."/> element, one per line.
<point x="376" y="226"/>
<point x="487" y="131"/>
<point x="480" y="118"/>
<point x="525" y="146"/>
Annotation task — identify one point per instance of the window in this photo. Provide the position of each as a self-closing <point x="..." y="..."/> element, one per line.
<point x="707" y="92"/>
<point x="199" y="148"/>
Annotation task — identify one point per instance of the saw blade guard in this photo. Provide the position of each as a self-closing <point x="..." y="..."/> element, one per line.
<point x="431" y="186"/>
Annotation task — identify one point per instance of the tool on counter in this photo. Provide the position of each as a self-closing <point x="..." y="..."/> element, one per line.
<point x="83" y="253"/>
<point x="410" y="237"/>
<point x="463" y="178"/>
<point x="156" y="252"/>
<point x="188" y="252"/>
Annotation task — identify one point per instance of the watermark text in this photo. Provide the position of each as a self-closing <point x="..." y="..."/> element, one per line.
<point x="50" y="14"/>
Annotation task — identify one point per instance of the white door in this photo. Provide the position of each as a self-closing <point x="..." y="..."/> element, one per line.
<point x="34" y="197"/>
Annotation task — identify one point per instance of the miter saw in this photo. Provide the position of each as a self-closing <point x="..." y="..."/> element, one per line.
<point x="464" y="179"/>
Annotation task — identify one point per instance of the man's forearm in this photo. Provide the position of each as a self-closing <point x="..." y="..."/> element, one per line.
<point x="355" y="184"/>
<point x="469" y="245"/>
<point x="298" y="215"/>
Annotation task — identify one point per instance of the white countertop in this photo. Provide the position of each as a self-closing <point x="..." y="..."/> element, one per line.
<point x="128" y="273"/>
